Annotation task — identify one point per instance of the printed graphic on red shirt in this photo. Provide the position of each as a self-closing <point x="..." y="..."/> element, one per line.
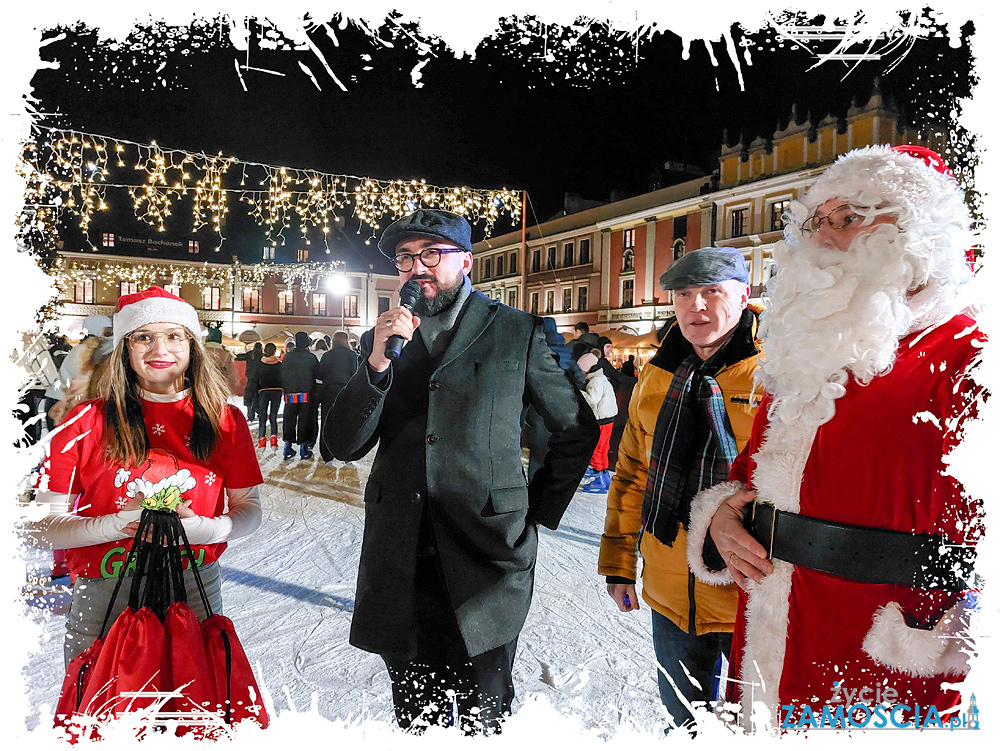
<point x="161" y="480"/>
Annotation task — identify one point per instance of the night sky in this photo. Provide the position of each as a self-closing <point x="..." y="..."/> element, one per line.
<point x="598" y="117"/>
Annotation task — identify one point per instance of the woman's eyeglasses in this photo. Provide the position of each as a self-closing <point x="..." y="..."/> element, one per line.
<point x="174" y="341"/>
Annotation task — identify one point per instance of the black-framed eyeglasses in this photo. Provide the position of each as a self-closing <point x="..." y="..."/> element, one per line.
<point x="429" y="257"/>
<point x="174" y="341"/>
<point x="839" y="218"/>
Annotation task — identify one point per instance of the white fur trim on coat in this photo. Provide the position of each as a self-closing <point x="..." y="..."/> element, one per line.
<point x="780" y="463"/>
<point x="924" y="653"/>
<point x="703" y="508"/>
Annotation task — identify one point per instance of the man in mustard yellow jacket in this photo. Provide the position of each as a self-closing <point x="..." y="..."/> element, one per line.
<point x="689" y="416"/>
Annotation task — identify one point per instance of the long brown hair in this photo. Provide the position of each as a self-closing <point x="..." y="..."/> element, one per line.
<point x="125" y="438"/>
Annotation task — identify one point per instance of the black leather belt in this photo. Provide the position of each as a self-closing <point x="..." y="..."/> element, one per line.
<point x="863" y="554"/>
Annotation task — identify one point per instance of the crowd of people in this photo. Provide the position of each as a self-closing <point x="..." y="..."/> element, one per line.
<point x="779" y="471"/>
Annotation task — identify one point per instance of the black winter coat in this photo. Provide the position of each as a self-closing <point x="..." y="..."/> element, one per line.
<point x="298" y="371"/>
<point x="448" y="437"/>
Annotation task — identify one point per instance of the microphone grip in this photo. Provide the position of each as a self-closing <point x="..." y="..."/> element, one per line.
<point x="393" y="346"/>
<point x="408" y="297"/>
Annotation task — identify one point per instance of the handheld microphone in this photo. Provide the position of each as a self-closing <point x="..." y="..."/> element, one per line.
<point x="408" y="297"/>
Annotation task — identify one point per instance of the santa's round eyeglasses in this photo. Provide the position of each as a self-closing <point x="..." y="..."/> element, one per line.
<point x="839" y="218"/>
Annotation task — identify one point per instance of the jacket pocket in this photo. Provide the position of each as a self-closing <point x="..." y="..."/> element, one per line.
<point x="373" y="492"/>
<point x="505" y="500"/>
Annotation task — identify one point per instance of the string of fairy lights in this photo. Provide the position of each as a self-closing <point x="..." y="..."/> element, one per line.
<point x="307" y="276"/>
<point x="73" y="171"/>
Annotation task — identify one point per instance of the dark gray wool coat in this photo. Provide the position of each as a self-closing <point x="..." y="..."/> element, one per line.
<point x="448" y="435"/>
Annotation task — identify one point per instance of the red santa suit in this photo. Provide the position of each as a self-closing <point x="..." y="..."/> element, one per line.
<point x="877" y="463"/>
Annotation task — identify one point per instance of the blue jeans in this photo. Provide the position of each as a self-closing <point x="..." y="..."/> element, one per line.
<point x="699" y="654"/>
<point x="268" y="402"/>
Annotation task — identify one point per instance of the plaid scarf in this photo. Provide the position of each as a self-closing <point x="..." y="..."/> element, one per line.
<point x="689" y="451"/>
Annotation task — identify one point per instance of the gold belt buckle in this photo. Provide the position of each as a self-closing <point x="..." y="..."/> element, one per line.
<point x="774" y="516"/>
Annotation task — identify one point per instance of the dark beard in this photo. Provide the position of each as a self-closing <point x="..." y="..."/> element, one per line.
<point x="444" y="299"/>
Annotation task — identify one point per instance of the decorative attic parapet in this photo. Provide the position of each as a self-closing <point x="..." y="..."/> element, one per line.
<point x="807" y="144"/>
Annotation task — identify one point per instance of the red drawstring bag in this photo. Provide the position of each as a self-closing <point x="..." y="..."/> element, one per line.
<point x="131" y="662"/>
<point x="157" y="649"/>
<point x="77" y="678"/>
<point x="237" y="694"/>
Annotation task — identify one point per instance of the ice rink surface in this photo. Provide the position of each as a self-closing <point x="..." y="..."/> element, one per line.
<point x="289" y="588"/>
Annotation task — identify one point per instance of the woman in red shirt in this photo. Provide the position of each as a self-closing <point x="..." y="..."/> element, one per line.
<point x="161" y="422"/>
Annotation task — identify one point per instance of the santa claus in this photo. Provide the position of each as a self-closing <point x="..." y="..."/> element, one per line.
<point x="853" y="544"/>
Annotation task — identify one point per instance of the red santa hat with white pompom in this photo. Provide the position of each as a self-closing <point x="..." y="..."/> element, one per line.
<point x="153" y="305"/>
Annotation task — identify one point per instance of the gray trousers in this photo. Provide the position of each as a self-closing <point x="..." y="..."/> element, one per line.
<point x="91" y="598"/>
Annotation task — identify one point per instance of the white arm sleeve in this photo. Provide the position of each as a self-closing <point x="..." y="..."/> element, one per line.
<point x="242" y="518"/>
<point x="60" y="529"/>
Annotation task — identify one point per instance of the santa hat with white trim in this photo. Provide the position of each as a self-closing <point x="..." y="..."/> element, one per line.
<point x="153" y="305"/>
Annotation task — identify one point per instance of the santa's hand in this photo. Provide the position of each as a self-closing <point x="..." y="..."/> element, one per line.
<point x="745" y="557"/>
<point x="184" y="510"/>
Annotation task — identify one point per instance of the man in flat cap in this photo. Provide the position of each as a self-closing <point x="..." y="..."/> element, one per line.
<point x="689" y="416"/>
<point x="447" y="562"/>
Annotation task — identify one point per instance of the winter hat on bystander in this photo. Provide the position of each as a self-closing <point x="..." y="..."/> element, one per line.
<point x="153" y="305"/>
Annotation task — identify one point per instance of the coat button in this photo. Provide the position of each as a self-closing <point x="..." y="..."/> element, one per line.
<point x="415" y="498"/>
<point x="434" y="385"/>
<point x="432" y="439"/>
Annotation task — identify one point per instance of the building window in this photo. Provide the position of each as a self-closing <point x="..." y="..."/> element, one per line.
<point x="251" y="300"/>
<point x="193" y="246"/>
<point x="128" y="288"/>
<point x="303" y="254"/>
<point x="567" y="300"/>
<point x="318" y="304"/>
<point x="628" y="292"/>
<point x="83" y="291"/>
<point x="512" y="298"/>
<point x="680" y="227"/>
<point x="585" y="251"/>
<point x="534" y="303"/>
<point x="350" y="306"/>
<point x="108" y="239"/>
<point x="738" y="226"/>
<point x="513" y="263"/>
<point x="487" y="268"/>
<point x="211" y="298"/>
<point x="269" y="252"/>
<point x="778" y="209"/>
<point x="500" y="265"/>
<point x="678" y="248"/>
<point x="628" y="238"/>
<point x="628" y="261"/>
<point x="550" y="302"/>
<point x="536" y="261"/>
<point x="568" y="254"/>
<point x="173" y="289"/>
<point x="550" y="258"/>
<point x="286" y="301"/>
<point x="384" y="303"/>
<point x="581" y="300"/>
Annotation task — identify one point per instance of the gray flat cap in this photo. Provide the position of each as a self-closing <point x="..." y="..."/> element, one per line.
<point x="705" y="266"/>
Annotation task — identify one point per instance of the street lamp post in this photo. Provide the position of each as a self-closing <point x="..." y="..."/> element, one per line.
<point x="338" y="284"/>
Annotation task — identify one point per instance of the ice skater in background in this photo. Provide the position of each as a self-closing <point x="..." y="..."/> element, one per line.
<point x="600" y="395"/>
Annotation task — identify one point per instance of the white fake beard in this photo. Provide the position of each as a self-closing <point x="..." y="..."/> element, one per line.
<point x="831" y="315"/>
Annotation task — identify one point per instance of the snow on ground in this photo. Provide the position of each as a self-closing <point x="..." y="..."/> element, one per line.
<point x="289" y="589"/>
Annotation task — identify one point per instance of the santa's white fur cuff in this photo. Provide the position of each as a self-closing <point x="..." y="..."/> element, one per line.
<point x="942" y="650"/>
<point x="703" y="508"/>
